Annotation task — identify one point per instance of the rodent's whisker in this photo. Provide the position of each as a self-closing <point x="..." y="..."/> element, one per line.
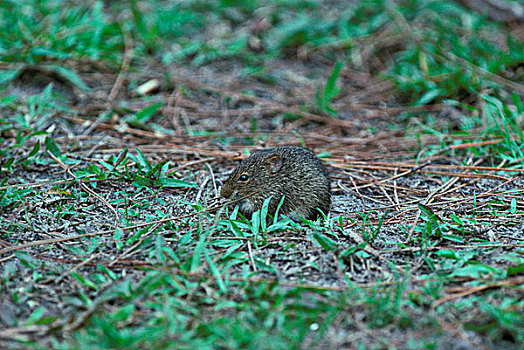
<point x="231" y="201"/>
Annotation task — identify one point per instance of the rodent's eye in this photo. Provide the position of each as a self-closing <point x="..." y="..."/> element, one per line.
<point x="243" y="178"/>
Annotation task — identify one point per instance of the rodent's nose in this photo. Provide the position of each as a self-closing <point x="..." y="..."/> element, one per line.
<point x="226" y="192"/>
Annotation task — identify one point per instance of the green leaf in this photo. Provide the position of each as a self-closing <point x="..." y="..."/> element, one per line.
<point x="263" y="213"/>
<point x="279" y="225"/>
<point x="326" y="242"/>
<point x="134" y="237"/>
<point x="107" y="271"/>
<point x="143" y="160"/>
<point x="118" y="238"/>
<point x="196" y="259"/>
<point x="71" y="77"/>
<point x="447" y="253"/>
<point x="146" y="113"/>
<point x="46" y="52"/>
<point x="429" y="213"/>
<point x="456" y="219"/>
<point x="96" y="170"/>
<point x="331" y="90"/>
<point x="52" y="147"/>
<point x="429" y="96"/>
<point x="8" y="164"/>
<point x="123" y="314"/>
<point x="47" y="320"/>
<point x="35" y="316"/>
<point x="474" y="271"/>
<point x="215" y="272"/>
<point x="513" y="206"/>
<point x="8" y="75"/>
<point x="139" y="21"/>
<point x="453" y="238"/>
<point x="84" y="281"/>
<point x="324" y="154"/>
<point x="255" y="222"/>
<point x="170" y="182"/>
<point x="354" y="249"/>
<point x="106" y="165"/>
<point x="275" y="218"/>
<point x="157" y="169"/>
<point x="515" y="270"/>
<point x="121" y="156"/>
<point x="35" y="150"/>
<point x="234" y="227"/>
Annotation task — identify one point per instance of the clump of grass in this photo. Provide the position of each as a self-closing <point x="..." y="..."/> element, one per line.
<point x="24" y="123"/>
<point x="54" y="33"/>
<point x="449" y="56"/>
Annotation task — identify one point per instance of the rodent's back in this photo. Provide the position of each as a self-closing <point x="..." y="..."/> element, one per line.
<point x="289" y="171"/>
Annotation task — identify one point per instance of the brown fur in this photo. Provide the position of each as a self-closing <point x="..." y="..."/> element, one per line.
<point x="289" y="171"/>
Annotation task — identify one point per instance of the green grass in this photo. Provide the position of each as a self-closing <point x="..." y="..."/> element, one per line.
<point x="197" y="287"/>
<point x="440" y="58"/>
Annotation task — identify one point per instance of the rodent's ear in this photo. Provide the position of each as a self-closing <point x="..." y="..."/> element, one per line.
<point x="275" y="163"/>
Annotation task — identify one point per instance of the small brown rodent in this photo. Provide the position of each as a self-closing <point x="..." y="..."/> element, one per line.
<point x="289" y="171"/>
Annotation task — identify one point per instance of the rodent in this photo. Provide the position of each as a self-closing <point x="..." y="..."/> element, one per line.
<point x="289" y="171"/>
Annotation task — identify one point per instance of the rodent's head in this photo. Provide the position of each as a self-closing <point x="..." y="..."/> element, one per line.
<point x="255" y="174"/>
